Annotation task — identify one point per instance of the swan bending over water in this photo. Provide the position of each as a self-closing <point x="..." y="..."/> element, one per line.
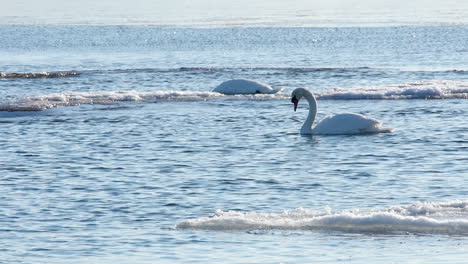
<point x="341" y="124"/>
<point x="244" y="86"/>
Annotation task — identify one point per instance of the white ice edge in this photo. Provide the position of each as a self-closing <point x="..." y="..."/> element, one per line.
<point x="429" y="217"/>
<point x="436" y="89"/>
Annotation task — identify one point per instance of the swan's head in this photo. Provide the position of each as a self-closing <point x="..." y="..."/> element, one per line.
<point x="296" y="95"/>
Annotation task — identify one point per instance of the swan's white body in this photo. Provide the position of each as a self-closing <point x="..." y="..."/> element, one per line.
<point x="244" y="86"/>
<point x="341" y="124"/>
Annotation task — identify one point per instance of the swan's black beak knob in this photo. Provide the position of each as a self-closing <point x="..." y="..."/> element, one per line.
<point x="295" y="102"/>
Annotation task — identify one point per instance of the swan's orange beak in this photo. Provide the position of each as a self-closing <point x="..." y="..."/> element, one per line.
<point x="295" y="102"/>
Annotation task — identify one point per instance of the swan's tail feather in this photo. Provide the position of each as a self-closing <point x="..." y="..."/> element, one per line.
<point x="274" y="91"/>
<point x="380" y="129"/>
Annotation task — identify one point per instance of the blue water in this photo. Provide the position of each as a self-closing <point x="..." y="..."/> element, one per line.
<point x="113" y="149"/>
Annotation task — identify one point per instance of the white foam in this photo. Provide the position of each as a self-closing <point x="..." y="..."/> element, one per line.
<point x="445" y="217"/>
<point x="38" y="103"/>
<point x="436" y="89"/>
<point x="43" y="102"/>
<point x="31" y="75"/>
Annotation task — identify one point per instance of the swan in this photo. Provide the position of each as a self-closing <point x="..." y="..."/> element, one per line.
<point x="244" y="86"/>
<point x="341" y="124"/>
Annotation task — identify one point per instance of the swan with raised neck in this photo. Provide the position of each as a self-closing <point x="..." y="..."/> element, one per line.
<point x="341" y="124"/>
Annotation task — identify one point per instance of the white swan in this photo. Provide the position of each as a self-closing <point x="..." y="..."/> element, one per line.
<point x="341" y="124"/>
<point x="244" y="86"/>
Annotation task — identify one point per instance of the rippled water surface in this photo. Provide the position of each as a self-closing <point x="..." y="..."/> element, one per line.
<point x="124" y="155"/>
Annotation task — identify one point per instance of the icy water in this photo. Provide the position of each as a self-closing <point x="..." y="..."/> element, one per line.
<point x="114" y="149"/>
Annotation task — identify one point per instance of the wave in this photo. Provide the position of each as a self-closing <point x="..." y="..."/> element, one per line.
<point x="39" y="103"/>
<point x="437" y="89"/>
<point x="419" y="90"/>
<point x="297" y="69"/>
<point x="44" y="102"/>
<point x="338" y="70"/>
<point x="57" y="74"/>
<point x="33" y="75"/>
<point x="422" y="217"/>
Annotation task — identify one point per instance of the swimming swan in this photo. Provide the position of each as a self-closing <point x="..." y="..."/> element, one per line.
<point x="244" y="86"/>
<point x="341" y="124"/>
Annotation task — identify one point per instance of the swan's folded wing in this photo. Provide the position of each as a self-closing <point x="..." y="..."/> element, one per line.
<point x="347" y="124"/>
<point x="244" y="86"/>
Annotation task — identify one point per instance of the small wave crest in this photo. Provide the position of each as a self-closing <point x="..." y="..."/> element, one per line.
<point x="420" y="90"/>
<point x="437" y="89"/>
<point x="44" y="102"/>
<point x="292" y="69"/>
<point x="39" y="103"/>
<point x="33" y="75"/>
<point x="422" y="217"/>
<point x="198" y="69"/>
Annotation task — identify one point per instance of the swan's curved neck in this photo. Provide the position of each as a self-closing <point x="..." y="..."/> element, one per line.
<point x="307" y="126"/>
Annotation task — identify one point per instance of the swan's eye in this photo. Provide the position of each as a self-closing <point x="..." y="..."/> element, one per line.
<point x="294" y="100"/>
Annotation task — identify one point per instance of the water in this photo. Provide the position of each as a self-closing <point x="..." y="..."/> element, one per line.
<point x="236" y="13"/>
<point x="114" y="148"/>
